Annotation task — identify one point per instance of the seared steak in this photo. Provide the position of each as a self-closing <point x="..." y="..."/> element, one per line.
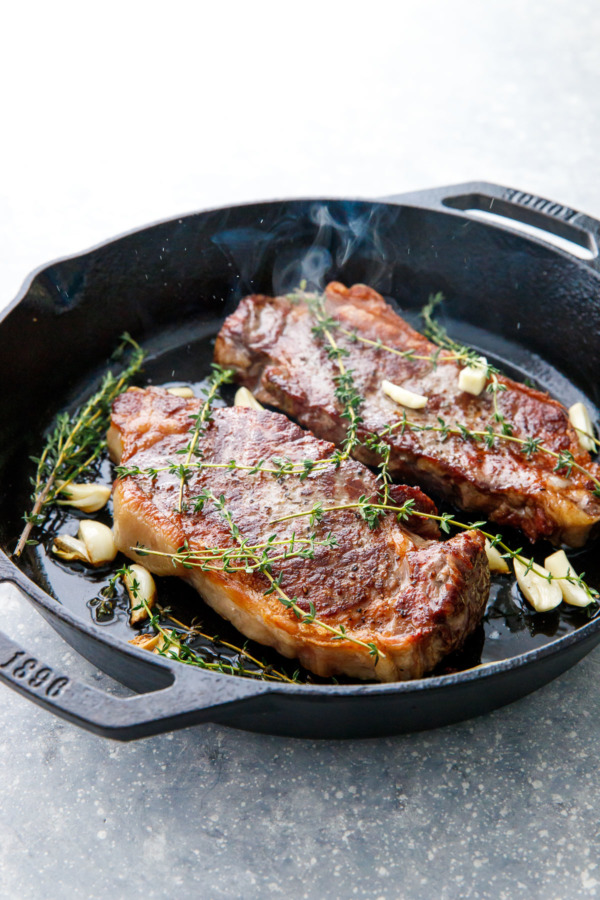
<point x="271" y="344"/>
<point x="415" y="599"/>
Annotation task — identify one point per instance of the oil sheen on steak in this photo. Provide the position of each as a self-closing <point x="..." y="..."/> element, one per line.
<point x="270" y="343"/>
<point x="416" y="599"/>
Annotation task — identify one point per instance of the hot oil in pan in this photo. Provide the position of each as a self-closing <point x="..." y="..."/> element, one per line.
<point x="510" y="627"/>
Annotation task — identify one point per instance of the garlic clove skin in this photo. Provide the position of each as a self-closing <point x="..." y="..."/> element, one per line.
<point x="472" y="379"/>
<point x="579" y="418"/>
<point x="88" y="498"/>
<point x="496" y="561"/>
<point x="573" y="594"/>
<point x="140" y="587"/>
<point x="146" y="641"/>
<point x="542" y="594"/>
<point x="246" y="399"/>
<point x="158" y="643"/>
<point x="70" y="549"/>
<point x="98" y="540"/>
<point x="403" y="396"/>
<point x="186" y="393"/>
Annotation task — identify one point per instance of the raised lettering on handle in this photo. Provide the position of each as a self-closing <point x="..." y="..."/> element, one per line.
<point x="548" y="207"/>
<point x="37" y="675"/>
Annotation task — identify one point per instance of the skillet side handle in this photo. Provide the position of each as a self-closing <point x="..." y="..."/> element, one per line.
<point x="516" y="207"/>
<point x="192" y="697"/>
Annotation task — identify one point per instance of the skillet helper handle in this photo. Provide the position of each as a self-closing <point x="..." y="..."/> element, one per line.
<point x="191" y="698"/>
<point x="517" y="207"/>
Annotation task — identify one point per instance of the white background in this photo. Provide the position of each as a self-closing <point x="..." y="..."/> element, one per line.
<point x="116" y="114"/>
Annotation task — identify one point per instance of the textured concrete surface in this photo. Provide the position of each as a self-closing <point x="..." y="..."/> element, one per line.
<point x="125" y="117"/>
<point x="500" y="807"/>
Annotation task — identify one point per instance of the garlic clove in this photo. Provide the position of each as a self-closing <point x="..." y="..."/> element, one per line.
<point x="543" y="595"/>
<point x="185" y="392"/>
<point x="579" y="418"/>
<point x="472" y="379"/>
<point x="496" y="561"/>
<point x="99" y="541"/>
<point x="574" y="594"/>
<point x="245" y="398"/>
<point x="168" y="646"/>
<point x="403" y="396"/>
<point x="141" y="588"/>
<point x="70" y="548"/>
<point x="146" y="641"/>
<point x="86" y="497"/>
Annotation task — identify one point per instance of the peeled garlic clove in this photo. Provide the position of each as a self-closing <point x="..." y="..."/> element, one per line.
<point x="168" y="646"/>
<point x="70" y="548"/>
<point x="496" y="561"/>
<point x="244" y="397"/>
<point x="146" y="641"/>
<point x="185" y="392"/>
<point x="86" y="497"/>
<point x="574" y="594"/>
<point x="472" y="379"/>
<point x="99" y="541"/>
<point x="141" y="588"/>
<point x="403" y="396"/>
<point x="543" y="595"/>
<point x="579" y="418"/>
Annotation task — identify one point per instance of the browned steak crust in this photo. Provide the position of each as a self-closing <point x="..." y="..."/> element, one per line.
<point x="416" y="599"/>
<point x="271" y="345"/>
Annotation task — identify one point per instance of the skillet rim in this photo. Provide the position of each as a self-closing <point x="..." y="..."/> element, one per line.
<point x="11" y="573"/>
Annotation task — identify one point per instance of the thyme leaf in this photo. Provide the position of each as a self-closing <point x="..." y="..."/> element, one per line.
<point x="275" y="586"/>
<point x="219" y="377"/>
<point x="77" y="440"/>
<point x="368" y="509"/>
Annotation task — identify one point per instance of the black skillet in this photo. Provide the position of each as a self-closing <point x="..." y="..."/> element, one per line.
<point x="530" y="306"/>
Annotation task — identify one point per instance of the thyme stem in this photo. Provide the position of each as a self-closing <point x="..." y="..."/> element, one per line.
<point x="202" y="558"/>
<point x="496" y="541"/>
<point x="346" y="391"/>
<point x="241" y="651"/>
<point x="188" y="656"/>
<point x="71" y="439"/>
<point x="565" y="459"/>
<point x="407" y="509"/>
<point x="284" y="468"/>
<point x="219" y="377"/>
<point x="291" y="603"/>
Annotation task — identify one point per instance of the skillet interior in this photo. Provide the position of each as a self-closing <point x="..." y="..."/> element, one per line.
<point x="531" y="308"/>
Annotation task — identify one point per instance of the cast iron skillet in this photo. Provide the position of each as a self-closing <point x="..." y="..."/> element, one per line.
<point x="172" y="282"/>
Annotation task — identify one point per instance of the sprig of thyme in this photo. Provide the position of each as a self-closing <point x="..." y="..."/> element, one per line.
<point x="565" y="461"/>
<point x="455" y="352"/>
<point x="275" y="586"/>
<point x="219" y="377"/>
<point x="173" y="643"/>
<point x="173" y="647"/>
<point x="346" y="392"/>
<point x="279" y="467"/>
<point x="268" y="671"/>
<point x="376" y="444"/>
<point x="244" y="558"/>
<point x="372" y="513"/>
<point x="77" y="441"/>
<point x="494" y="388"/>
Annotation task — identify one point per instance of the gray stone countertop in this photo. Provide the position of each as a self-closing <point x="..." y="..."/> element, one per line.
<point x="110" y="127"/>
